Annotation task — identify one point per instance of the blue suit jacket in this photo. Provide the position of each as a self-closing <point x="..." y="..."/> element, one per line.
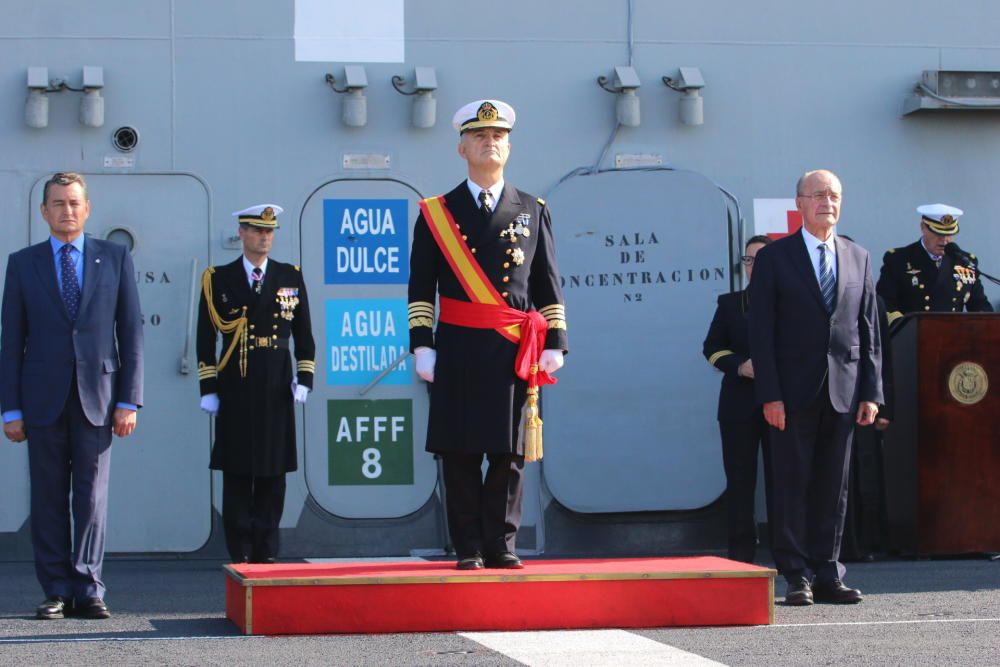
<point x="40" y="346"/>
<point x="795" y="344"/>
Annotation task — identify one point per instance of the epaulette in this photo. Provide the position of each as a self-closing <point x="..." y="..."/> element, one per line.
<point x="541" y="202"/>
<point x="296" y="267"/>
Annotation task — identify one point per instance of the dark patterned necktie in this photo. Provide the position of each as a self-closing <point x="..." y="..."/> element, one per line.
<point x="485" y="203"/>
<point x="258" y="279"/>
<point x="827" y="285"/>
<point x="70" y="284"/>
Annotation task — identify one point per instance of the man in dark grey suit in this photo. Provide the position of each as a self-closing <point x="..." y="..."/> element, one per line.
<point x="70" y="375"/>
<point x="814" y="340"/>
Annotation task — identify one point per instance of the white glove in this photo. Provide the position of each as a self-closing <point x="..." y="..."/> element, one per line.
<point x="300" y="392"/>
<point x="210" y="403"/>
<point x="551" y="360"/>
<point x="426" y="357"/>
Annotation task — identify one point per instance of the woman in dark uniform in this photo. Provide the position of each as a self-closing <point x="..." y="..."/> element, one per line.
<point x="741" y="421"/>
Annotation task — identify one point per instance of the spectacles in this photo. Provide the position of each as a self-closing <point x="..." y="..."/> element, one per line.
<point x="747" y="260"/>
<point x="820" y="196"/>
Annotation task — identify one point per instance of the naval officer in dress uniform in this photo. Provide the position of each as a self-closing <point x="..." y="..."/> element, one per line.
<point x="486" y="250"/>
<point x="924" y="276"/>
<point x="258" y="305"/>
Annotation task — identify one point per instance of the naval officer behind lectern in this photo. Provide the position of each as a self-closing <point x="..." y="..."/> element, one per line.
<point x="486" y="250"/>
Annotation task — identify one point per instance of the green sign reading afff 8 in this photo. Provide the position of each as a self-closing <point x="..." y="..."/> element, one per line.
<point x="371" y="442"/>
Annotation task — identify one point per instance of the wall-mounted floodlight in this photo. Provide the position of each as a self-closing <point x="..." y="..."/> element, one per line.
<point x="424" y="113"/>
<point x="688" y="82"/>
<point x="36" y="107"/>
<point x="354" y="112"/>
<point x="92" y="104"/>
<point x="625" y="84"/>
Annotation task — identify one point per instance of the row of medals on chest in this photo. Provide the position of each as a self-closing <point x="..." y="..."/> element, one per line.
<point x="514" y="231"/>
<point x="287" y="299"/>
<point x="963" y="275"/>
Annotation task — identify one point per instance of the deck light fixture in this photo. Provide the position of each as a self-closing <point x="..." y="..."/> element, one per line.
<point x="424" y="113"/>
<point x="625" y="83"/>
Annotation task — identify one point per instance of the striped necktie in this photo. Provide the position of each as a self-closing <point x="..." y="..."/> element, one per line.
<point x="485" y="203"/>
<point x="827" y="284"/>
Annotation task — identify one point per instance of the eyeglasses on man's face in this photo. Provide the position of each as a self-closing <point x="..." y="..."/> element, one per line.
<point x="747" y="260"/>
<point x="821" y="196"/>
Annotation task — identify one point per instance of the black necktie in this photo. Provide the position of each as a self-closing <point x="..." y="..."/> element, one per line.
<point x="258" y="279"/>
<point x="70" y="284"/>
<point x="485" y="203"/>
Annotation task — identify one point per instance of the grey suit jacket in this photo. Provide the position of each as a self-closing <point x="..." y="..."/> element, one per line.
<point x="795" y="344"/>
<point x="40" y="347"/>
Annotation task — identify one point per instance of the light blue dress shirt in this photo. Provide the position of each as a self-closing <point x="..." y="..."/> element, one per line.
<point x="76" y="256"/>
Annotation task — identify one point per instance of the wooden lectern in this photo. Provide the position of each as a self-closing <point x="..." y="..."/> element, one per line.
<point x="942" y="453"/>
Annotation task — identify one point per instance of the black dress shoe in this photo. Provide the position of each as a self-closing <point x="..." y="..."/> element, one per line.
<point x="835" y="592"/>
<point x="799" y="593"/>
<point x="54" y="607"/>
<point x="507" y="560"/>
<point x="92" y="608"/>
<point x="473" y="562"/>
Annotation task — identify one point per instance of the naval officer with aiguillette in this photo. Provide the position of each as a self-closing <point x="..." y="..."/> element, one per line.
<point x="486" y="251"/>
<point x="258" y="305"/>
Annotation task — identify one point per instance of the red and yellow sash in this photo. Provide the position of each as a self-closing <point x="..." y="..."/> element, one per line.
<point x="486" y="309"/>
<point x="468" y="271"/>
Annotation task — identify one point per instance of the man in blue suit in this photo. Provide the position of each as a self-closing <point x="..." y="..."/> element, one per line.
<point x="70" y="375"/>
<point x="814" y="340"/>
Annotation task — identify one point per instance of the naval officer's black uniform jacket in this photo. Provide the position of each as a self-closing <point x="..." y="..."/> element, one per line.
<point x="255" y="426"/>
<point x="476" y="398"/>
<point x="741" y="422"/>
<point x="911" y="283"/>
<point x="726" y="346"/>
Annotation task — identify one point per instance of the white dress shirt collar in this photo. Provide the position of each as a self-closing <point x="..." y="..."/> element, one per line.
<point x="248" y="267"/>
<point x="812" y="245"/>
<point x="495" y="191"/>
<point x="935" y="258"/>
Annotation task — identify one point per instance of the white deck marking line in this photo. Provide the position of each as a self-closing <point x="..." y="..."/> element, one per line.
<point x="594" y="648"/>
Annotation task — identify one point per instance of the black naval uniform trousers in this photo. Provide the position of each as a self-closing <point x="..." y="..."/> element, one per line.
<point x="255" y="426"/>
<point x="476" y="399"/>
<point x="910" y="282"/>
<point x="742" y="426"/>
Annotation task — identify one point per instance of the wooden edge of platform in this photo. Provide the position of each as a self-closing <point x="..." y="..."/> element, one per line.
<point x="248" y="605"/>
<point x="506" y="578"/>
<point x="770" y="601"/>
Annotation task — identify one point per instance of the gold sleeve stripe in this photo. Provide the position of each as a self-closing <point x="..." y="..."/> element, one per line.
<point x="207" y="372"/>
<point x="718" y="355"/>
<point x="557" y="324"/>
<point x="421" y="305"/>
<point x="306" y="366"/>
<point x="429" y="312"/>
<point x="421" y="322"/>
<point x="556" y="308"/>
<point x="893" y="316"/>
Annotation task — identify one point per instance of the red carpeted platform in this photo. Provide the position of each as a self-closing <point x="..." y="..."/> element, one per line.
<point x="376" y="597"/>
